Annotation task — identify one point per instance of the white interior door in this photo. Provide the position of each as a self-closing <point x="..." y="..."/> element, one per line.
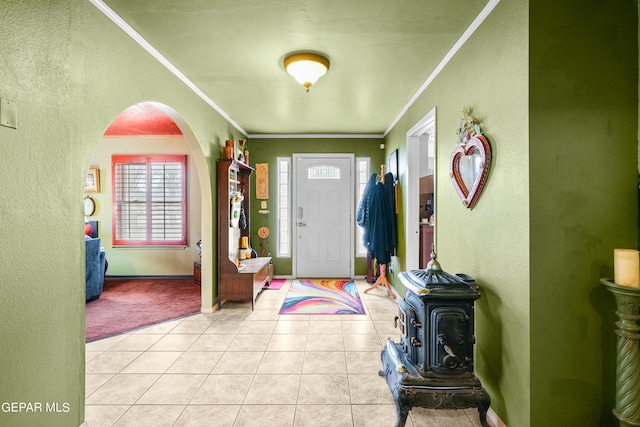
<point x="323" y="215"/>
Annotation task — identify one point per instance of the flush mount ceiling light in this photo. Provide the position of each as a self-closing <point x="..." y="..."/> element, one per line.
<point x="306" y="67"/>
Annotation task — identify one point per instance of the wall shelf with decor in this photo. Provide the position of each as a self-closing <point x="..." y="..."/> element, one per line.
<point x="239" y="278"/>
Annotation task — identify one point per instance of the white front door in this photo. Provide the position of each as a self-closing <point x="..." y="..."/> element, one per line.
<point x="323" y="215"/>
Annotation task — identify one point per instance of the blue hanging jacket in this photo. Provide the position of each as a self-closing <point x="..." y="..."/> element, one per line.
<point x="376" y="215"/>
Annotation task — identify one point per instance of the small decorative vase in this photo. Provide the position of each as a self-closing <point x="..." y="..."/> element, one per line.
<point x="241" y="143"/>
<point x="235" y="214"/>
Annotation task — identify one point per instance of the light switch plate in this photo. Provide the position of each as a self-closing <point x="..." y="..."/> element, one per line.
<point x="8" y="114"/>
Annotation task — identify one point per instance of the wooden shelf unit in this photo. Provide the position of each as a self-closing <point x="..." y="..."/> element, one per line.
<point x="246" y="282"/>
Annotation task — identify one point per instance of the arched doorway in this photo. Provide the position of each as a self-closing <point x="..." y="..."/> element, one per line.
<point x="161" y="130"/>
<point x="206" y="206"/>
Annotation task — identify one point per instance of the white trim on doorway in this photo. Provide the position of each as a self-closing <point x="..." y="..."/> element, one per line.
<point x="412" y="204"/>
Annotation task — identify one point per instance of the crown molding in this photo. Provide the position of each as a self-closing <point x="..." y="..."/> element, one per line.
<point x="315" y="135"/>
<point x="456" y="47"/>
<point x="116" y="19"/>
<point x="124" y="26"/>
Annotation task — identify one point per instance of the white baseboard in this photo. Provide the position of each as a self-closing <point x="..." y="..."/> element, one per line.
<point x="494" y="420"/>
<point x="207" y="309"/>
<point x="84" y="424"/>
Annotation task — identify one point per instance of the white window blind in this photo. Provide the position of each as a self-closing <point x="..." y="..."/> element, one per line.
<point x="149" y="200"/>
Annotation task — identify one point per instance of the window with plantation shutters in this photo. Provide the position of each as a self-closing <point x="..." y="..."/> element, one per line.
<point x="149" y="200"/>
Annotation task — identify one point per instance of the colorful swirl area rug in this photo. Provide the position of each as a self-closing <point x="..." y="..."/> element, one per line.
<point x="322" y="297"/>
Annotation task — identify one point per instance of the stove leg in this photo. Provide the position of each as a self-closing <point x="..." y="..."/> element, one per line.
<point x="402" y="412"/>
<point x="482" y="410"/>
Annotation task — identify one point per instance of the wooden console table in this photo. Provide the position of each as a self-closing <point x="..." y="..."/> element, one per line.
<point x="247" y="282"/>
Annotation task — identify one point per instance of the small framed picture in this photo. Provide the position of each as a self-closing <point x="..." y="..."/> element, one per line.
<point x="91" y="228"/>
<point x="92" y="183"/>
<point x="393" y="164"/>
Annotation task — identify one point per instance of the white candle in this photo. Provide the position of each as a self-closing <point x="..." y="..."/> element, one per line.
<point x="626" y="267"/>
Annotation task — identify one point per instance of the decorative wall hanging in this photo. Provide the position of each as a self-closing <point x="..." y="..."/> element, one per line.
<point x="393" y="164"/>
<point x="263" y="234"/>
<point x="91" y="229"/>
<point x="262" y="181"/>
<point x="470" y="161"/>
<point x="89" y="206"/>
<point x="92" y="183"/>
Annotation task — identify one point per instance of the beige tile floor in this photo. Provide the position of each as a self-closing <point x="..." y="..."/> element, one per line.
<point x="238" y="367"/>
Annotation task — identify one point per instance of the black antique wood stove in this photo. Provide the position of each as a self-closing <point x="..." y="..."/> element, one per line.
<point x="432" y="365"/>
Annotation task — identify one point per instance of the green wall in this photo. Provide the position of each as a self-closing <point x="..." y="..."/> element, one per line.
<point x="268" y="149"/>
<point x="71" y="72"/>
<point x="583" y="178"/>
<point x="556" y="88"/>
<point x="490" y="242"/>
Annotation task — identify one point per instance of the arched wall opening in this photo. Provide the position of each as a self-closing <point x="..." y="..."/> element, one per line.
<point x="206" y="206"/>
<point x="152" y="262"/>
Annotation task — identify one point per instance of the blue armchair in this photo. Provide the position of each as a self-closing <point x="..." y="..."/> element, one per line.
<point x="95" y="268"/>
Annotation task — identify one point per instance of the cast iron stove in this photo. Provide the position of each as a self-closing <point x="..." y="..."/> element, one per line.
<point x="432" y="365"/>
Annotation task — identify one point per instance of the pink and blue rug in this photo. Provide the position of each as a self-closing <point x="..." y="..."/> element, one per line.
<point x="322" y="297"/>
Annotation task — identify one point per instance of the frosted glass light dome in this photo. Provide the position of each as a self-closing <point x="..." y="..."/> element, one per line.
<point x="306" y="68"/>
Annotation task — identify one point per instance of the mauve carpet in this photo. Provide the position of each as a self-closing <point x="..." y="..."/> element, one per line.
<point x="128" y="304"/>
<point x="275" y="284"/>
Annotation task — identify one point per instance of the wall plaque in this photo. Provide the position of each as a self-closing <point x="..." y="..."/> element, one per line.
<point x="262" y="181"/>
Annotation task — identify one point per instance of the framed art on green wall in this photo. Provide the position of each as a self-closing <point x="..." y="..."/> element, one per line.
<point x="393" y="164"/>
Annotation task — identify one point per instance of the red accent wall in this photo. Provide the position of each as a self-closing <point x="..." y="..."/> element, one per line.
<point x="143" y="120"/>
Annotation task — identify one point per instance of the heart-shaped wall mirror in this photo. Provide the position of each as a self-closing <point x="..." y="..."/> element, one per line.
<point x="469" y="168"/>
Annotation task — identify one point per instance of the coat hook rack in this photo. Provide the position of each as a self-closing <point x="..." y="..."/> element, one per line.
<point x="382" y="278"/>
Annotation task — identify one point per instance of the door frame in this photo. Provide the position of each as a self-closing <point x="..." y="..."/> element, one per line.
<point x="412" y="205"/>
<point x="294" y="202"/>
